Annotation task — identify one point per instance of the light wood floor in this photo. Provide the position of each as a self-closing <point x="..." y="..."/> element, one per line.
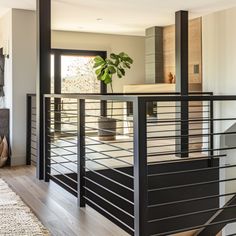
<point x="56" y="208"/>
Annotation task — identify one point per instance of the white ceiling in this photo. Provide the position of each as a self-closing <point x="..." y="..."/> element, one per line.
<point x="130" y="17"/>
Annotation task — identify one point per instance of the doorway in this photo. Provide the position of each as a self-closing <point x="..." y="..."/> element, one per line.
<point x="72" y="71"/>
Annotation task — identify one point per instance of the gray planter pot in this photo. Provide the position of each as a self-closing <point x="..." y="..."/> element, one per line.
<point x="107" y="129"/>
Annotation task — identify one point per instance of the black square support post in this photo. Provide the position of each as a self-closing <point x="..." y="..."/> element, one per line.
<point x="43" y="75"/>
<point x="182" y="82"/>
<point x="81" y="153"/>
<point x="140" y="167"/>
<point x="28" y="128"/>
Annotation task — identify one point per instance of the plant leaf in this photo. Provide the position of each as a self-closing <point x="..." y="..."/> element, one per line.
<point x="119" y="73"/>
<point x="112" y="69"/>
<point x="122" y="71"/>
<point x="113" y="56"/>
<point x="98" y="59"/>
<point x="97" y="64"/>
<point x="98" y="71"/>
<point x="128" y="59"/>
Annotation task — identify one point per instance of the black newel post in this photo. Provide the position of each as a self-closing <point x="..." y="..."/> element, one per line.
<point x="43" y="74"/>
<point x="182" y="82"/>
<point x="140" y="168"/>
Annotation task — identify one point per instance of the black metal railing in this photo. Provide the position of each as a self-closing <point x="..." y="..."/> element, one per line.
<point x="31" y="140"/>
<point x="141" y="171"/>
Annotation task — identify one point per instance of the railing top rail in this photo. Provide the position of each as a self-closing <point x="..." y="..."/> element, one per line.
<point x="164" y="97"/>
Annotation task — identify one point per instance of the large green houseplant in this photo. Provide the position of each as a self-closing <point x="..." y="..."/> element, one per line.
<point x="116" y="65"/>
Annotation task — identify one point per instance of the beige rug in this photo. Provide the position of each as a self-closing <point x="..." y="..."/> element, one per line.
<point x="16" y="219"/>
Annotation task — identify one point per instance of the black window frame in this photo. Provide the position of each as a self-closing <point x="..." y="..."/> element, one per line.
<point x="72" y="52"/>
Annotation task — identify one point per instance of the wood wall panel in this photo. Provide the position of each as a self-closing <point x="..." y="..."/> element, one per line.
<point x="195" y="50"/>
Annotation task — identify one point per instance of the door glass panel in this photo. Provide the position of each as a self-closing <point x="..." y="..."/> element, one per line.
<point x="78" y="75"/>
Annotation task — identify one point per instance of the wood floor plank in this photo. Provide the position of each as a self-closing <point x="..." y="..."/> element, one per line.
<point x="56" y="208"/>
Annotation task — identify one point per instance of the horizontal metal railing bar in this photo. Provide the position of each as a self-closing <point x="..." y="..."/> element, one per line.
<point x="145" y="98"/>
<point x="192" y="135"/>
<point x="69" y="146"/>
<point x="174" y="130"/>
<point x="66" y="155"/>
<point x="88" y="128"/>
<point x="61" y="139"/>
<point x="108" y="190"/>
<point x="169" y="145"/>
<point x="110" y="168"/>
<point x="66" y="117"/>
<point x="123" y="156"/>
<point x="71" y="135"/>
<point x="95" y="204"/>
<point x="99" y="109"/>
<point x="63" y="183"/>
<point x="192" y="200"/>
<point x="154" y="113"/>
<point x="60" y="109"/>
<point x="107" y="157"/>
<point x="113" y="142"/>
<point x="64" y="113"/>
<point x="191" y="171"/>
<point x="187" y="159"/>
<point x="174" y="144"/>
<point x="62" y="131"/>
<point x="62" y="155"/>
<point x="59" y="172"/>
<point x="116" y="118"/>
<point x="122" y="108"/>
<point x="190" y="121"/>
<point x="113" y="181"/>
<point x="117" y="159"/>
<point x="191" y="185"/>
<point x="194" y="227"/>
<point x="150" y="124"/>
<point x="192" y="213"/>
<point x="64" y="123"/>
<point x="66" y="103"/>
<point x="61" y="164"/>
<point x="110" y="203"/>
<point x="109" y="144"/>
<point x="191" y="151"/>
<point x="59" y="147"/>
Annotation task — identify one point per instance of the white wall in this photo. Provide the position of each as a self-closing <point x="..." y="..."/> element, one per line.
<point x="219" y="76"/>
<point x="23" y="75"/>
<point x="134" y="46"/>
<point x="18" y="29"/>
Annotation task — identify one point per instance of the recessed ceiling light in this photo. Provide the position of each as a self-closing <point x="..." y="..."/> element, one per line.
<point x="99" y="19"/>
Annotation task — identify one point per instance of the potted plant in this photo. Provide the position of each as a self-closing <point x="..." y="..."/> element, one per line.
<point x="116" y="65"/>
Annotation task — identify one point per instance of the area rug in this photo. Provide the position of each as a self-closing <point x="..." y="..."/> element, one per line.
<point x="16" y="219"/>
